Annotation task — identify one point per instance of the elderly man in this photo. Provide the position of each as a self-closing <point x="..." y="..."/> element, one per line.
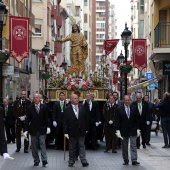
<point x="127" y="127"/>
<point x="75" y="126"/>
<point x="38" y="125"/>
<point x="144" y="118"/>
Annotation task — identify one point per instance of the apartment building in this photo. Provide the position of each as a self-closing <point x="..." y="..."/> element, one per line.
<point x="14" y="84"/>
<point x="158" y="35"/>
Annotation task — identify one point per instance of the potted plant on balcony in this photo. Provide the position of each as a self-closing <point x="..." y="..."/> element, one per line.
<point x="125" y="68"/>
<point x="4" y="55"/>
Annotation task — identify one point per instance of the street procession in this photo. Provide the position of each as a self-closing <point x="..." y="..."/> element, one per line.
<point x="84" y="84"/>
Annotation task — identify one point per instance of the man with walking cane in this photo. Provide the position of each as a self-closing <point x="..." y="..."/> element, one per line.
<point x="75" y="127"/>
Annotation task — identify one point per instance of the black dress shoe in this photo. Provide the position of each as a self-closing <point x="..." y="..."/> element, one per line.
<point x="114" y="151"/>
<point x="106" y="150"/>
<point x="17" y="150"/>
<point x="135" y="163"/>
<point x="25" y="151"/>
<point x="144" y="146"/>
<point x="126" y="163"/>
<point x="148" y="144"/>
<point x="36" y="164"/>
<point x="70" y="165"/>
<point x="13" y="141"/>
<point x="85" y="164"/>
<point x="138" y="147"/>
<point x="94" y="148"/>
<point x="44" y="163"/>
<point x="165" y="146"/>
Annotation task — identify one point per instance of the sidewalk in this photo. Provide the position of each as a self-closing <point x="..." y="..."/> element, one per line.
<point x="151" y="158"/>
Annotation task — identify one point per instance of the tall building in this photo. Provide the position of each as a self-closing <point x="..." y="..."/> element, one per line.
<point x="158" y="35"/>
<point x="102" y="26"/>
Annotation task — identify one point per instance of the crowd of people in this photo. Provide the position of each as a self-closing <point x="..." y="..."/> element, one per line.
<point x="83" y="124"/>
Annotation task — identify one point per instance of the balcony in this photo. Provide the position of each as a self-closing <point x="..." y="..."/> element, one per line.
<point x="59" y="21"/>
<point x="162" y="35"/>
<point x="100" y="19"/>
<point x="161" y="50"/>
<point x="100" y="8"/>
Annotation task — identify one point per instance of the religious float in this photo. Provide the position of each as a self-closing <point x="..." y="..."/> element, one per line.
<point x="73" y="81"/>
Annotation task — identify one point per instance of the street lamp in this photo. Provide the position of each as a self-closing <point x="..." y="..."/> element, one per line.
<point x="46" y="54"/>
<point x="3" y="12"/>
<point x="126" y="38"/>
<point x="120" y="60"/>
<point x="64" y="64"/>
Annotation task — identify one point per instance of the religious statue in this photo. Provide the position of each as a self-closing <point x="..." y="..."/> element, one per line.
<point x="79" y="48"/>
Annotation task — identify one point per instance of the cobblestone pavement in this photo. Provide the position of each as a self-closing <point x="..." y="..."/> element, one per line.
<point x="151" y="158"/>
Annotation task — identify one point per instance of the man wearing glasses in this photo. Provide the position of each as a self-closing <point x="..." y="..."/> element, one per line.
<point x="20" y="112"/>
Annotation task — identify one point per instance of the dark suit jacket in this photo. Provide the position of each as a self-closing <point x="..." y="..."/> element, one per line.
<point x="127" y="126"/>
<point x="3" y="144"/>
<point x="20" y="109"/>
<point x="10" y="118"/>
<point x="94" y="114"/>
<point x="37" y="122"/>
<point x="145" y="116"/>
<point x="57" y="114"/>
<point x="73" y="126"/>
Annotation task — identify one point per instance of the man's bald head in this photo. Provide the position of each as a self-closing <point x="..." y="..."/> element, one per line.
<point x="138" y="97"/>
<point x="74" y="99"/>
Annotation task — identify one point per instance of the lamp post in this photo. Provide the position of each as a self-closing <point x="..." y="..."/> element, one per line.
<point x="46" y="53"/>
<point x="3" y="12"/>
<point x="64" y="64"/>
<point x="126" y="38"/>
<point x="120" y="60"/>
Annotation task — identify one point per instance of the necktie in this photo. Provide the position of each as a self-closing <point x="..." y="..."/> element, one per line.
<point x="128" y="111"/>
<point x="6" y="110"/>
<point x="76" y="111"/>
<point x="37" y="108"/>
<point x="140" y="108"/>
<point x="61" y="105"/>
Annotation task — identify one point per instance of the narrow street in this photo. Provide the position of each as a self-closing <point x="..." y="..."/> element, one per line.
<point x="151" y="158"/>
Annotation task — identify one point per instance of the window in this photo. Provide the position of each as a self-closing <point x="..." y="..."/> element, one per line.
<point x="38" y="27"/>
<point x="86" y="35"/>
<point x="85" y="2"/>
<point x="85" y="18"/>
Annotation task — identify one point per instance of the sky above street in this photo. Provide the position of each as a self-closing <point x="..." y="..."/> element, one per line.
<point x="123" y="13"/>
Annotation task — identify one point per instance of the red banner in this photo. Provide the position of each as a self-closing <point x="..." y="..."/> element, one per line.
<point x="109" y="45"/>
<point x="139" y="53"/>
<point x="19" y="37"/>
<point x="115" y="76"/>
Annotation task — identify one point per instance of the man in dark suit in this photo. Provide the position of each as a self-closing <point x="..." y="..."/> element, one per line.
<point x="75" y="126"/>
<point x="110" y="124"/>
<point x="92" y="109"/>
<point x="144" y="117"/>
<point x="38" y="125"/>
<point x="116" y="97"/>
<point x="127" y="127"/>
<point x="20" y="112"/>
<point x="152" y="113"/>
<point x="3" y="143"/>
<point x="9" y="121"/>
<point x="58" y="110"/>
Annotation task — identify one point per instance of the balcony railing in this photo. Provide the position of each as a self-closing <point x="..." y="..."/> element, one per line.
<point x="162" y="35"/>
<point x="100" y="8"/>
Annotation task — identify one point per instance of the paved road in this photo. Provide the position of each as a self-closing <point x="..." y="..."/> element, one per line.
<point x="151" y="158"/>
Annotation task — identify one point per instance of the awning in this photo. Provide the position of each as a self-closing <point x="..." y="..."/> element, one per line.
<point x="141" y="85"/>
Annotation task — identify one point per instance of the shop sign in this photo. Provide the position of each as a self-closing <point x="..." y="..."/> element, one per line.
<point x="166" y="67"/>
<point x="7" y="70"/>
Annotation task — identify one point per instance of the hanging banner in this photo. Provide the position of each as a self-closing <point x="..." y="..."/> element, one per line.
<point x="115" y="76"/>
<point x="109" y="45"/>
<point x="139" y="53"/>
<point x="19" y="37"/>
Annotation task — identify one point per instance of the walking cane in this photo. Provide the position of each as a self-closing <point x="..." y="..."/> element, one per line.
<point x="64" y="148"/>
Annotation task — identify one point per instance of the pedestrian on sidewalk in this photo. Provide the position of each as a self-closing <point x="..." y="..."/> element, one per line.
<point x="164" y="110"/>
<point x="38" y="125"/>
<point x="127" y="127"/>
<point x="75" y="127"/>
